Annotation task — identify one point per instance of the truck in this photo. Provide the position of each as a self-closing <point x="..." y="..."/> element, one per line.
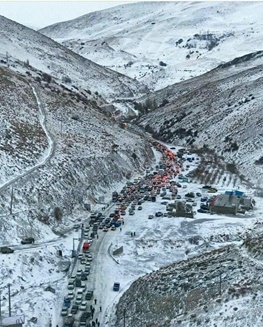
<point x="85" y="246"/>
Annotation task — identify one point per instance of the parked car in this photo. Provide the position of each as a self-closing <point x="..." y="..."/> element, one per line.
<point x="87" y="270"/>
<point x="83" y="306"/>
<point x="89" y="258"/>
<point x="78" y="299"/>
<point x="28" y="240"/>
<point x="6" y="249"/>
<point x="190" y="195"/>
<point x="140" y="208"/>
<point x="204" y="207"/>
<point x="158" y="214"/>
<point x="74" y="309"/>
<point x="71" y="295"/>
<point x="79" y="272"/>
<point x="89" y="295"/>
<point x="212" y="190"/>
<point x="84" y="276"/>
<point x="207" y="186"/>
<point x="64" y="311"/>
<point x="150" y="217"/>
<point x="85" y="316"/>
<point x="116" y="287"/>
<point x="202" y="211"/>
<point x="67" y="302"/>
<point x="71" y="285"/>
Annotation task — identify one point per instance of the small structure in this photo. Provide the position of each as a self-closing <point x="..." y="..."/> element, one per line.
<point x="184" y="210"/>
<point x="14" y="321"/>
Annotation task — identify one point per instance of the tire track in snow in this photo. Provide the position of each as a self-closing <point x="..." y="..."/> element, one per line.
<point x="51" y="145"/>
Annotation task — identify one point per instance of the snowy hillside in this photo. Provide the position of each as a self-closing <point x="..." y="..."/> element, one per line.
<point x="220" y="110"/>
<point x="31" y="47"/>
<point x="160" y="43"/>
<point x="58" y="153"/>
<point x="220" y="288"/>
<point x="56" y="146"/>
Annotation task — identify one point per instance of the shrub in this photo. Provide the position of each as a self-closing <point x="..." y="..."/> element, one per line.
<point x="58" y="213"/>
<point x="161" y="63"/>
<point x="164" y="102"/>
<point x="46" y="77"/>
<point x="134" y="156"/>
<point x="66" y="79"/>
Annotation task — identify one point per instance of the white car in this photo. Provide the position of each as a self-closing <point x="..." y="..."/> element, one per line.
<point x="71" y="286"/>
<point x="79" y="272"/>
<point x="89" y="259"/>
<point x="83" y="306"/>
<point x="80" y="292"/>
<point x="64" y="312"/>
<point x="71" y="295"/>
<point x="78" y="300"/>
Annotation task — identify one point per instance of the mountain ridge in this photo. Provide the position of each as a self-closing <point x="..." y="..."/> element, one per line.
<point x="44" y="53"/>
<point x="161" y="43"/>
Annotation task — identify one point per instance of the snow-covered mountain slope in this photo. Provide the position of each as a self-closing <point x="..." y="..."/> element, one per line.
<point x="160" y="43"/>
<point x="29" y="46"/>
<point x="57" y="150"/>
<point x="221" y="110"/>
<point x="220" y="288"/>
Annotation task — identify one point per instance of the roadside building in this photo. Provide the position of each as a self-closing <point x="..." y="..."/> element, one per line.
<point x="225" y="203"/>
<point x="231" y="203"/>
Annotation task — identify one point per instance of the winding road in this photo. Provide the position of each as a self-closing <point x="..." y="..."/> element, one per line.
<point x="49" y="152"/>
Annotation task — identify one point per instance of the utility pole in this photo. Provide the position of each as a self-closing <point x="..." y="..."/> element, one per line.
<point x="0" y="309"/>
<point x="9" y="299"/>
<point x="7" y="59"/>
<point x="220" y="283"/>
<point x="61" y="124"/>
<point x="11" y="202"/>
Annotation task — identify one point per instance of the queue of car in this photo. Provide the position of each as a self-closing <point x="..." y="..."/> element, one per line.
<point x="158" y="181"/>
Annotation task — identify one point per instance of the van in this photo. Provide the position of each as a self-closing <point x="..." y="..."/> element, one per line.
<point x="85" y="247"/>
<point x="116" y="287"/>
